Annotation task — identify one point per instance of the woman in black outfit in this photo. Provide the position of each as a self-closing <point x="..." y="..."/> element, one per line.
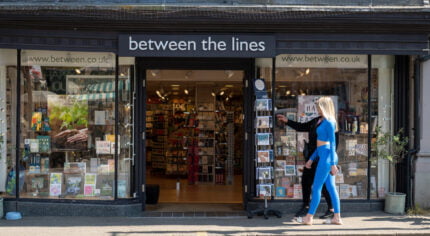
<point x="309" y="174"/>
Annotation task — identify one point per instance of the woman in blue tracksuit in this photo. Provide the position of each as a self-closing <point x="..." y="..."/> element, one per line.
<point x="326" y="168"/>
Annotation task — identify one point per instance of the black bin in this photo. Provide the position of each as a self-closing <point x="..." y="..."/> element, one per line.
<point x="152" y="193"/>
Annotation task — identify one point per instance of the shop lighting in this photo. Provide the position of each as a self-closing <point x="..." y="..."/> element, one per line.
<point x="122" y="74"/>
<point x="229" y="86"/>
<point x="307" y="71"/>
<point x="154" y="73"/>
<point x="221" y="93"/>
<point x="186" y="91"/>
<point x="213" y="94"/>
<point x="288" y="92"/>
<point x="78" y="71"/>
<point x="229" y="73"/>
<point x="227" y="98"/>
<point x="158" y="93"/>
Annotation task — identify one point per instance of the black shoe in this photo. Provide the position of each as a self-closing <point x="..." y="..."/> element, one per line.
<point x="302" y="212"/>
<point x="327" y="214"/>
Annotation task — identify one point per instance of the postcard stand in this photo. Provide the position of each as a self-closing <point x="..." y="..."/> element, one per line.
<point x="264" y="150"/>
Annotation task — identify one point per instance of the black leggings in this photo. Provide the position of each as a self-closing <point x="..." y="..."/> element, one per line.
<point x="307" y="181"/>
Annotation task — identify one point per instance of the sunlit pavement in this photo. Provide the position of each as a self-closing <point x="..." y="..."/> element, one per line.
<point x="368" y="223"/>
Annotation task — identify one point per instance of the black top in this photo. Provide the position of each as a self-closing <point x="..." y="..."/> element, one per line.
<point x="311" y="128"/>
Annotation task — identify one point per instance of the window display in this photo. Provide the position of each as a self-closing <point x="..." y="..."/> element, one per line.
<point x="298" y="86"/>
<point x="68" y="124"/>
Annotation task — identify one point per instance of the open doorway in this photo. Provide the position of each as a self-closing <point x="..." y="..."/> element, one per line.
<point x="194" y="126"/>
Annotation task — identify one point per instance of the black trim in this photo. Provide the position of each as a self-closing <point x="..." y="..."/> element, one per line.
<point x="18" y="125"/>
<point x="116" y="125"/>
<point x="146" y="63"/>
<point x="293" y="42"/>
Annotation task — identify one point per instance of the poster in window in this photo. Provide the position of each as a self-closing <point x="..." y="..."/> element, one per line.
<point x="307" y="108"/>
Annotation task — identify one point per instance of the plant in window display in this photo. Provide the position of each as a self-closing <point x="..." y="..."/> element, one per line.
<point x="68" y="117"/>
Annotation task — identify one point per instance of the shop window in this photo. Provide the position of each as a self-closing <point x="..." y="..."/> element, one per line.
<point x="300" y="81"/>
<point x="7" y="123"/>
<point x="68" y="125"/>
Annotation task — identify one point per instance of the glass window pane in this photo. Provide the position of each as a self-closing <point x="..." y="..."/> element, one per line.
<point x="126" y="128"/>
<point x="67" y="124"/>
<point x="300" y="81"/>
<point x="8" y="118"/>
<point x="382" y="103"/>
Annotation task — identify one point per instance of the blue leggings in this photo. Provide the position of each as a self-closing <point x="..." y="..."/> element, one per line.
<point x="322" y="176"/>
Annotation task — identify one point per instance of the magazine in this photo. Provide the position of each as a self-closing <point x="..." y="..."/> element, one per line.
<point x="73" y="184"/>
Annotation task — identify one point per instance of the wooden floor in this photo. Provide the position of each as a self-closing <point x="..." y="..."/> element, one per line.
<point x="197" y="193"/>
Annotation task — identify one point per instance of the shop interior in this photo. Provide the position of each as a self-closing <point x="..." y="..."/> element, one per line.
<point x="194" y="124"/>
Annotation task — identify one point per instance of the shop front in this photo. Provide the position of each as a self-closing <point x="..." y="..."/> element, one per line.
<point x="162" y="119"/>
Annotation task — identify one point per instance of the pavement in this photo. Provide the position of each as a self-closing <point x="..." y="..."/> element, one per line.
<point x="362" y="223"/>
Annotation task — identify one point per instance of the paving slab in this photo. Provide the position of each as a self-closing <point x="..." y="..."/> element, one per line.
<point x="363" y="223"/>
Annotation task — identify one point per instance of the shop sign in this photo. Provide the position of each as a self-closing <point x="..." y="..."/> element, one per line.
<point x="321" y="61"/>
<point x="152" y="45"/>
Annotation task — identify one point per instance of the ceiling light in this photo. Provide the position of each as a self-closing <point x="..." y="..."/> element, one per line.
<point x="78" y="71"/>
<point x="288" y="92"/>
<point x="158" y="93"/>
<point x="307" y="71"/>
<point x="213" y="94"/>
<point x="221" y="93"/>
<point x="229" y="86"/>
<point x="175" y="85"/>
<point x="186" y="91"/>
<point x="155" y="72"/>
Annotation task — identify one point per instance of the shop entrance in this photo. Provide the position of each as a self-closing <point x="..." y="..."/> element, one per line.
<point x="194" y="128"/>
<point x="194" y="132"/>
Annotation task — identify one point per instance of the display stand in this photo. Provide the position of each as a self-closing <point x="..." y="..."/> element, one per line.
<point x="264" y="150"/>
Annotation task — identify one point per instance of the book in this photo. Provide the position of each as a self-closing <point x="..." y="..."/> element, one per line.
<point x="36" y="121"/>
<point x="290" y="170"/>
<point x="44" y="144"/>
<point x="361" y="149"/>
<point x="34" y="145"/>
<point x="281" y="191"/>
<point x="73" y="184"/>
<point x="103" y="147"/>
<point x="350" y="146"/>
<point x="55" y="181"/>
<point x="280" y="164"/>
<point x="122" y="188"/>
<point x="75" y="167"/>
<point x="90" y="184"/>
<point x="44" y="164"/>
<point x="297" y="191"/>
<point x="344" y="191"/>
<point x="100" y="117"/>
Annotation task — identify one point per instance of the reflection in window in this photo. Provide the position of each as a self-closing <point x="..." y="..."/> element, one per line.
<point x="7" y="123"/>
<point x="298" y="86"/>
<point x="68" y="125"/>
